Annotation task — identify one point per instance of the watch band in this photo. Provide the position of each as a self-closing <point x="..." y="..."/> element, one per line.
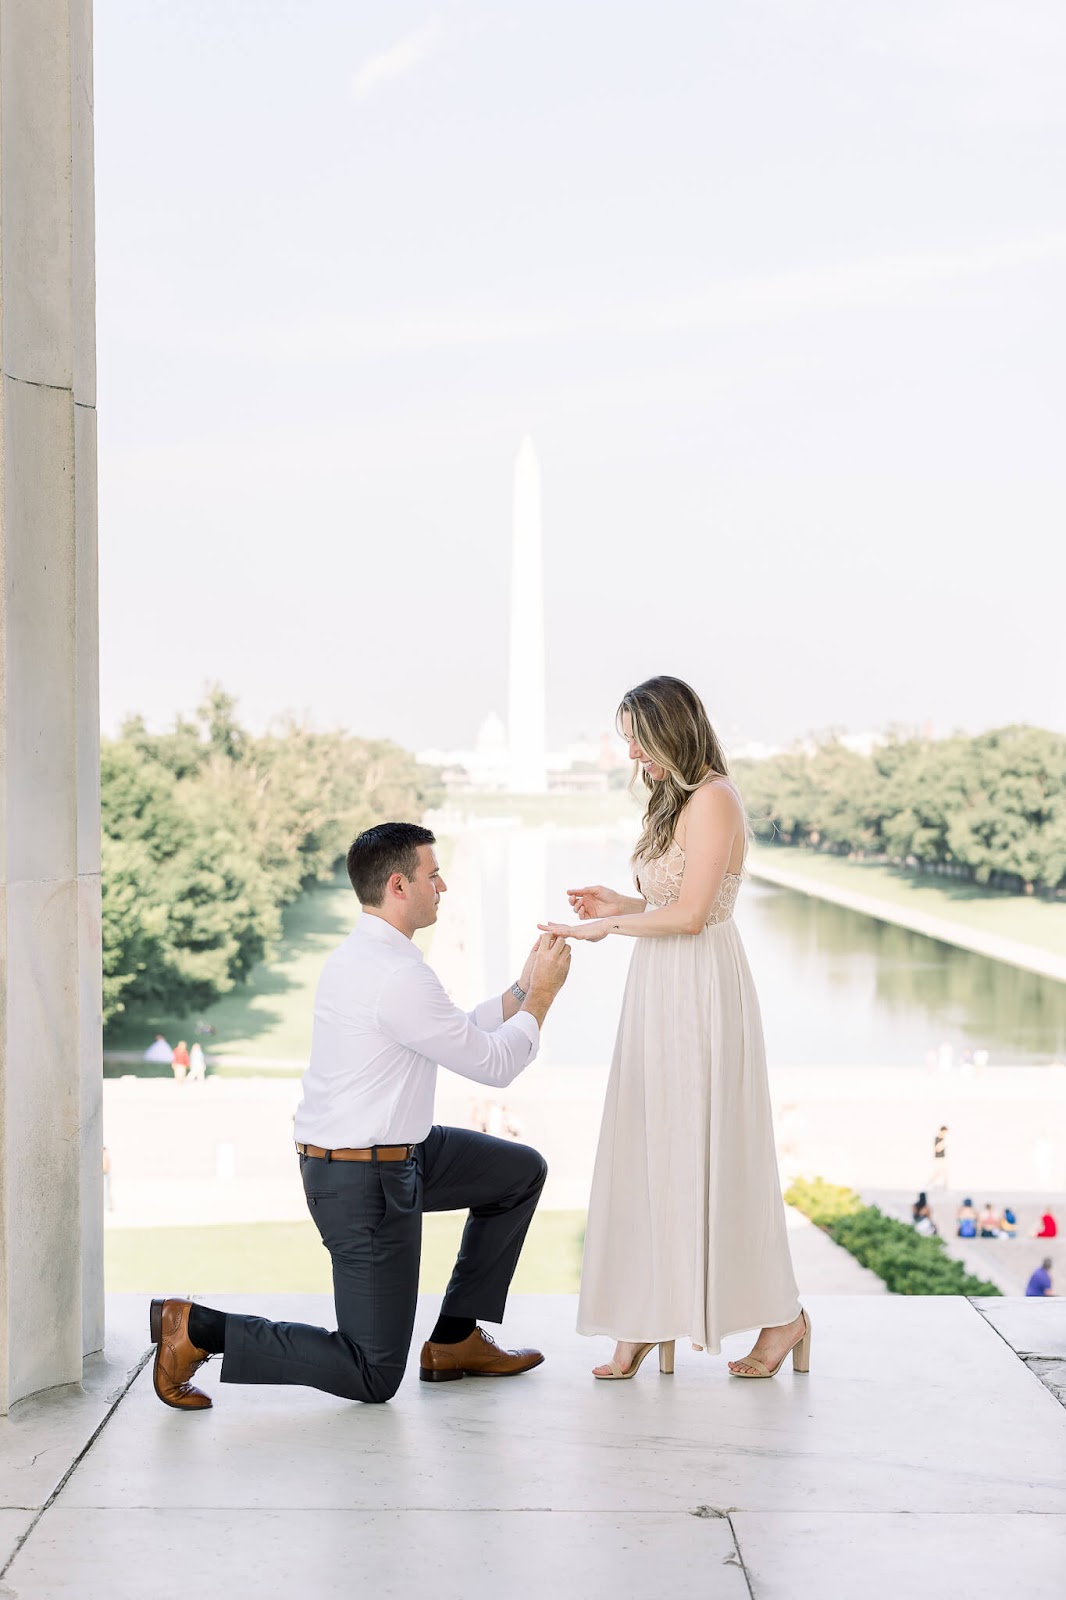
<point x="518" y="993"/>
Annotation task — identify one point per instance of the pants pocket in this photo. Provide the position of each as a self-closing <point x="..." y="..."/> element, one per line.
<point x="401" y="1193"/>
<point x="371" y="1202"/>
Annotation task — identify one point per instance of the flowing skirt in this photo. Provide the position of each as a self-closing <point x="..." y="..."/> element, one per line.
<point x="686" y="1231"/>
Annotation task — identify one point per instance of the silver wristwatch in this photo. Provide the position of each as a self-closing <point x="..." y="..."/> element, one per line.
<point x="518" y="993"/>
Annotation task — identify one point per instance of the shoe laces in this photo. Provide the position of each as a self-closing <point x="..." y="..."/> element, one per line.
<point x="487" y="1338"/>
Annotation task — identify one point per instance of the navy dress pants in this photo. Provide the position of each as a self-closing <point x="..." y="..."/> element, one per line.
<point x="369" y="1214"/>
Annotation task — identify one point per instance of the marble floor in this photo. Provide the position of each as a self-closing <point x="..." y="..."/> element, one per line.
<point x="924" y="1455"/>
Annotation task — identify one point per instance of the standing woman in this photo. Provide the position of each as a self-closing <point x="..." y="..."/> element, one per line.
<point x="686" y="1228"/>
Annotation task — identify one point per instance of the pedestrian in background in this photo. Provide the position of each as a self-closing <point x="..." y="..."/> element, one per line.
<point x="1039" y="1285"/>
<point x="922" y="1217"/>
<point x="939" y="1178"/>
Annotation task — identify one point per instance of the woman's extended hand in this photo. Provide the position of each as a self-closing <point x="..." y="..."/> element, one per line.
<point x="592" y="931"/>
<point x="596" y="901"/>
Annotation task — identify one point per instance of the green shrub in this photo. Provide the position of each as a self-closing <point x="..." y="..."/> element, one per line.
<point x="822" y="1202"/>
<point x="906" y="1262"/>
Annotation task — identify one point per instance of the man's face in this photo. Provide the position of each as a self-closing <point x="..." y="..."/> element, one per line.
<point x="425" y="888"/>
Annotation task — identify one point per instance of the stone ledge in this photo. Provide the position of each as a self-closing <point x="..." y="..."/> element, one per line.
<point x="1036" y="1331"/>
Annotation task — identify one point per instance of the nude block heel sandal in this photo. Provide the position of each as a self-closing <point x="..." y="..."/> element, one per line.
<point x="800" y="1353"/>
<point x="666" y="1361"/>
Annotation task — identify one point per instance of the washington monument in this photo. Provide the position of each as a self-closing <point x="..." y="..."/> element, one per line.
<point x="527" y="770"/>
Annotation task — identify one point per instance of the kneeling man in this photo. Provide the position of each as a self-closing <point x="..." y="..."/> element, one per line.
<point x="372" y="1161"/>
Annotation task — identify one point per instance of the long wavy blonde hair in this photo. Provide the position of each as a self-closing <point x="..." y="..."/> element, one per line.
<point x="673" y="729"/>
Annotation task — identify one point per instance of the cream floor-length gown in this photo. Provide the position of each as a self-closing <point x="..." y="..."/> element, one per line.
<point x="686" y="1230"/>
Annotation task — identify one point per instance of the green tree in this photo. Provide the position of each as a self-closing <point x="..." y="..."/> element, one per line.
<point x="991" y="808"/>
<point x="209" y="832"/>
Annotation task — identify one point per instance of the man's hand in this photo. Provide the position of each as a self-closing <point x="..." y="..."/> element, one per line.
<point x="526" y="976"/>
<point x="550" y="967"/>
<point x="551" y="964"/>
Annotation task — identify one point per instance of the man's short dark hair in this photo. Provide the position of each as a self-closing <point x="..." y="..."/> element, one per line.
<point x="379" y="852"/>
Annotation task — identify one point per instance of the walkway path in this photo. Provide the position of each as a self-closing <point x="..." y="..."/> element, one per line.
<point x="228" y="1142"/>
<point x="823" y="1267"/>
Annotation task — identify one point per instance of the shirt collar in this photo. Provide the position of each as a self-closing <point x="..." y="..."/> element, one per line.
<point x="382" y="932"/>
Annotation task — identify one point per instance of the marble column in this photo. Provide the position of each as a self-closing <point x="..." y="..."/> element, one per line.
<point x="51" y="1218"/>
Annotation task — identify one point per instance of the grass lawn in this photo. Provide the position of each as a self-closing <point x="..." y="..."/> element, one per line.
<point x="1028" y="920"/>
<point x="288" y="1257"/>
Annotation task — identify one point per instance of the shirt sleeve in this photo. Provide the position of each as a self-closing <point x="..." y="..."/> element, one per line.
<point x="415" y="1011"/>
<point x="488" y="1015"/>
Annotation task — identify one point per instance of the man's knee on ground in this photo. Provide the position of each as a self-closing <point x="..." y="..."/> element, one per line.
<point x="381" y="1384"/>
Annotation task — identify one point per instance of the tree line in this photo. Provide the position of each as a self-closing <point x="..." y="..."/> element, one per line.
<point x="208" y="832"/>
<point x="990" y="809"/>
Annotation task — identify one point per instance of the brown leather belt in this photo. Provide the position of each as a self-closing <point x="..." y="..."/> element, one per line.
<point x="376" y="1152"/>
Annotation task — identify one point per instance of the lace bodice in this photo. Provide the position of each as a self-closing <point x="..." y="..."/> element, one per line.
<point x="659" y="881"/>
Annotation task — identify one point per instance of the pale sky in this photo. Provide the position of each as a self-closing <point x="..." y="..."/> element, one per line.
<point x="776" y="288"/>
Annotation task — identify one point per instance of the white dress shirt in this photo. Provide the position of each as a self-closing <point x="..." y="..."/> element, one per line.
<point x="383" y="1023"/>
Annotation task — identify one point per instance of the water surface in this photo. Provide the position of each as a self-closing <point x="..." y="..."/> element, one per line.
<point x="836" y="987"/>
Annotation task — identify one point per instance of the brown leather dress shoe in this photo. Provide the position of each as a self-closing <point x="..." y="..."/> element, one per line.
<point x="478" y="1356"/>
<point x="176" y="1357"/>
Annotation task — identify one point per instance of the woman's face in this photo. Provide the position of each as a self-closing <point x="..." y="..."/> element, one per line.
<point x="654" y="772"/>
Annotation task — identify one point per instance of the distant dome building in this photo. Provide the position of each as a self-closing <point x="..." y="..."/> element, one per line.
<point x="492" y="737"/>
<point x="484" y="768"/>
